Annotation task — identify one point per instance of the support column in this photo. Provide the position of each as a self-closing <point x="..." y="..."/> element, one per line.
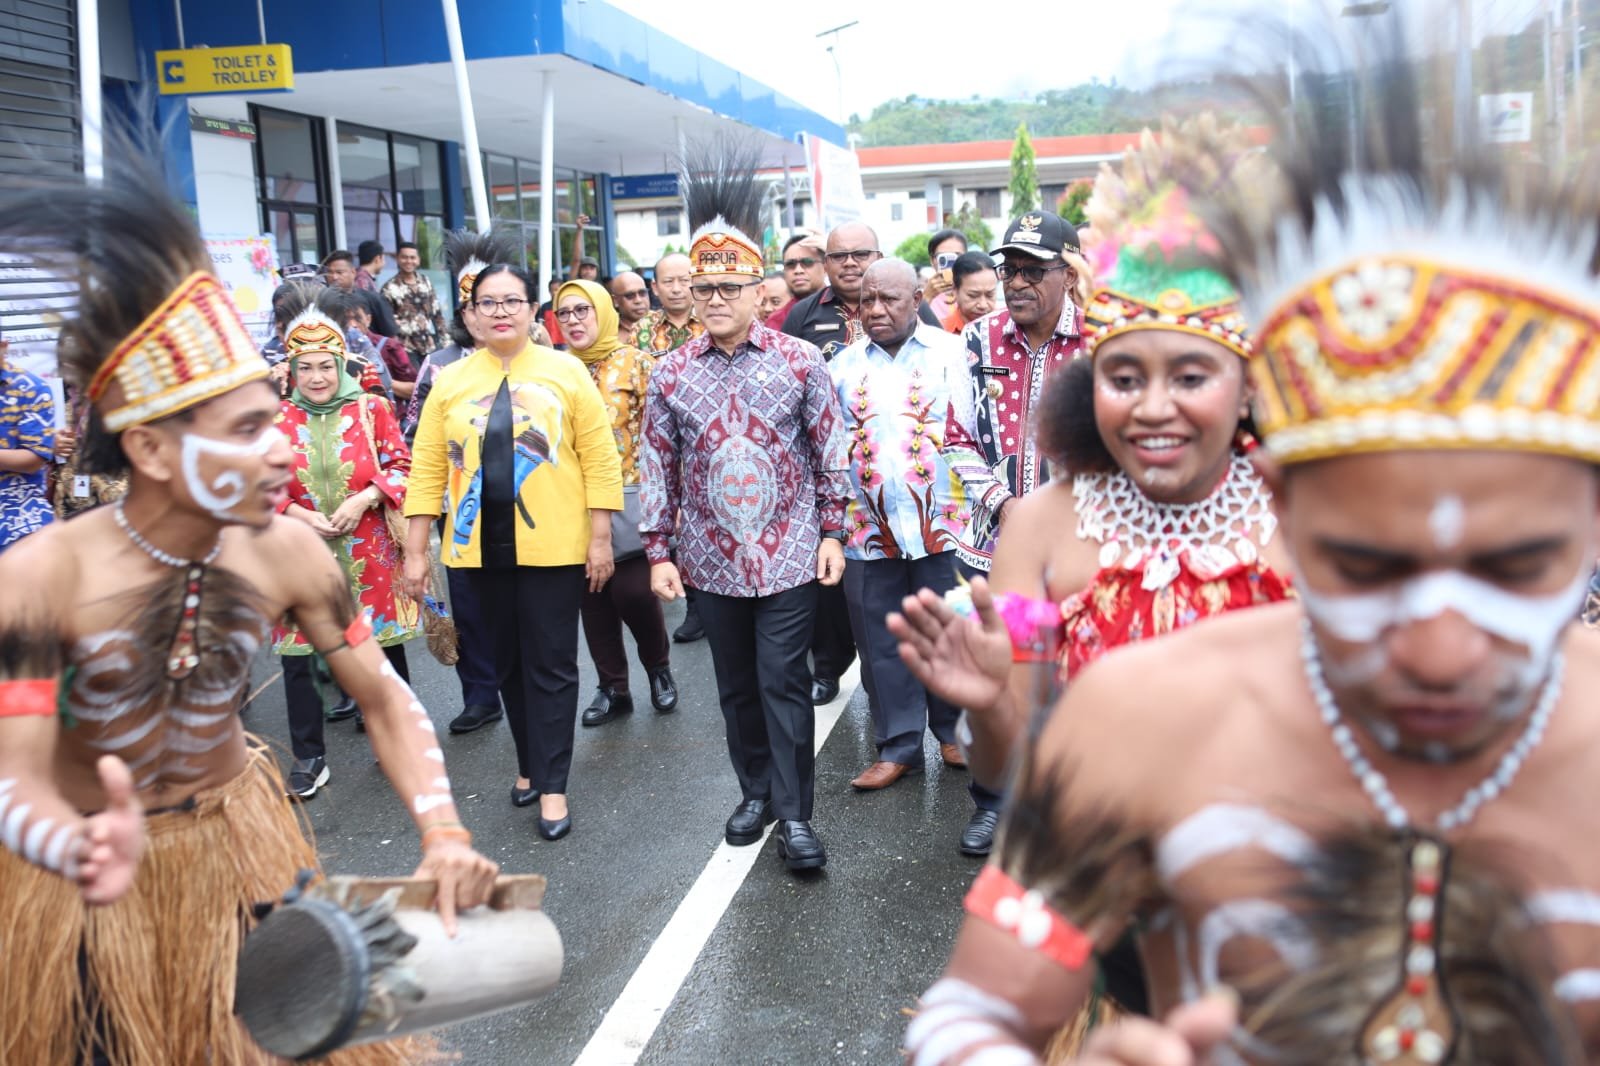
<point x="547" y="187"/>
<point x="89" y="96"/>
<point x="336" y="183"/>
<point x="469" y="121"/>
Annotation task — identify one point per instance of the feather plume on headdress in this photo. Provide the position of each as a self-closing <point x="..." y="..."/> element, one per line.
<point x="1155" y="264"/>
<point x="724" y="200"/>
<point x="153" y="332"/>
<point x="1408" y="291"/>
<point x="468" y="253"/>
<point x="314" y="313"/>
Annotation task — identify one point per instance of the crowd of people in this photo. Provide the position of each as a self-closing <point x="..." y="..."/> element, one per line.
<point x="1232" y="543"/>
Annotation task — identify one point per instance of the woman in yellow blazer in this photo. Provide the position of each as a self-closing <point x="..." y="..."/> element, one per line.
<point x="515" y="447"/>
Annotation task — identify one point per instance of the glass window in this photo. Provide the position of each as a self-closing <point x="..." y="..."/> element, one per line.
<point x="287" y="144"/>
<point x="897" y="212"/>
<point x="501" y="177"/>
<point x="668" y="222"/>
<point x="417" y="178"/>
<point x="364" y="173"/>
<point x="988" y="204"/>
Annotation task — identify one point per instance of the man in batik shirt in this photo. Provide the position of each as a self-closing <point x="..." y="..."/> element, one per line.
<point x="416" y="306"/>
<point x="27" y="444"/>
<point x="675" y="324"/>
<point x="1011" y="351"/>
<point x="743" y="437"/>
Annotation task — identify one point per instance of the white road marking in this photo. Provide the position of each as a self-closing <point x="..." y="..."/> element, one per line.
<point x="631" y="1022"/>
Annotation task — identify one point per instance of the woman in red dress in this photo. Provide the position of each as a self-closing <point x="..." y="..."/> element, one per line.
<point x="350" y="465"/>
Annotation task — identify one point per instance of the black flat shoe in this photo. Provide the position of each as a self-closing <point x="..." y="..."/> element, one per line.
<point x="749" y="820"/>
<point x="345" y="708"/>
<point x="663" y="691"/>
<point x="473" y="717"/>
<point x="524" y="797"/>
<point x="605" y="706"/>
<point x="555" y="830"/>
<point x="691" y="630"/>
<point x="823" y="690"/>
<point x="799" y="847"/>
<point x="977" y="839"/>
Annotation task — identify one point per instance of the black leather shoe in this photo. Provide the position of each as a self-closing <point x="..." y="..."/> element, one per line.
<point x="524" y="797"/>
<point x="823" y="690"/>
<point x="345" y="708"/>
<point x="799" y="847"/>
<point x="977" y="839"/>
<point x="606" y="705"/>
<point x="691" y="630"/>
<point x="475" y="716"/>
<point x="663" y="691"/>
<point x="555" y="830"/>
<point x="749" y="820"/>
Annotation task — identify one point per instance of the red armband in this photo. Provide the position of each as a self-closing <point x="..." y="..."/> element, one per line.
<point x="358" y="631"/>
<point x="997" y="899"/>
<point x="29" y="699"/>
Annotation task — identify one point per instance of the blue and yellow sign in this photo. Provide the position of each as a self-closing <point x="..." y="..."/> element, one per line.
<point x="250" y="68"/>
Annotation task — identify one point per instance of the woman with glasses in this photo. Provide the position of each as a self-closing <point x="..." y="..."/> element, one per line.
<point x="622" y="374"/>
<point x="516" y="447"/>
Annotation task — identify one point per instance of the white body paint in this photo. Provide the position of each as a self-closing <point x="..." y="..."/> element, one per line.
<point x="1447" y="522"/>
<point x="422" y="803"/>
<point x="1535" y="622"/>
<point x="228" y="489"/>
<point x="43" y="842"/>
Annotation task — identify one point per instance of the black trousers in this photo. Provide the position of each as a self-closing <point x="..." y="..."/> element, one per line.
<point x="305" y="702"/>
<point x="625" y="598"/>
<point x="901" y="707"/>
<point x="480" y="685"/>
<point x="832" y="649"/>
<point x="531" y="613"/>
<point x="758" y="649"/>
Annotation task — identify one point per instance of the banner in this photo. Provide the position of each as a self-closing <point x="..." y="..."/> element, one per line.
<point x="248" y="267"/>
<point x="32" y="304"/>
<point x="835" y="182"/>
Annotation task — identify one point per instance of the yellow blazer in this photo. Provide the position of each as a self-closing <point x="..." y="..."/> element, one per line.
<point x="565" y="462"/>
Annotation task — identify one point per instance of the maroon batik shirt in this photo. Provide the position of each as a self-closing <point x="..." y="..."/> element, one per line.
<point x="745" y="457"/>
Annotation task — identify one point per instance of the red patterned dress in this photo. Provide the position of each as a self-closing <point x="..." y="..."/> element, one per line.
<point x="336" y="455"/>
<point x="1162" y="567"/>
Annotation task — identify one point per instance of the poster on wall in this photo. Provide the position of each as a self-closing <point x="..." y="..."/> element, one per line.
<point x="248" y="266"/>
<point x="835" y="182"/>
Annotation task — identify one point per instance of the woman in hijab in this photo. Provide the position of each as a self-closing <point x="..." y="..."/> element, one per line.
<point x="588" y="320"/>
<point x="350" y="462"/>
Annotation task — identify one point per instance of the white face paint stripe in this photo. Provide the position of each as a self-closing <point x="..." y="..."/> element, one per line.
<point x="1578" y="986"/>
<point x="1535" y="622"/>
<point x="1447" y="522"/>
<point x="227" y="490"/>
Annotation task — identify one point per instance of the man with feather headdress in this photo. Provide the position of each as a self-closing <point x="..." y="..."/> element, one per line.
<point x="126" y="638"/>
<point x="1365" y="812"/>
<point x="743" y="437"/>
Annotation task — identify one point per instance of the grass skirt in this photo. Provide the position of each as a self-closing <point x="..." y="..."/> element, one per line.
<point x="150" y="978"/>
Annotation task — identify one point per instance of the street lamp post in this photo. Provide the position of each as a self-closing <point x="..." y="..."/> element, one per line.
<point x="838" y="72"/>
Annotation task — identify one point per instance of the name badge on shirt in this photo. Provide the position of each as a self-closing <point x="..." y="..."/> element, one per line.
<point x="818" y="326"/>
<point x="80" y="487"/>
<point x="994" y="371"/>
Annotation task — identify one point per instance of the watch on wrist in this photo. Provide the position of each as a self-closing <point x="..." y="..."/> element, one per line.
<point x="833" y="534"/>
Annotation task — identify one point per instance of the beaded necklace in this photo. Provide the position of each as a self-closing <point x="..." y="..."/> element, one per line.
<point x="183" y="657"/>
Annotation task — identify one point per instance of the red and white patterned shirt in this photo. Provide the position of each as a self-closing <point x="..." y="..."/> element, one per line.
<point x="748" y="451"/>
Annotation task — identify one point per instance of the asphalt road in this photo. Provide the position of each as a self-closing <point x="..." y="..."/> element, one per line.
<point x="819" y="969"/>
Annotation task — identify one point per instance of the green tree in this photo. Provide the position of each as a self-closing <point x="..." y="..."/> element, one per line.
<point x="1071" y="204"/>
<point x="1024" y="177"/>
<point x="914" y="250"/>
<point x="968" y="221"/>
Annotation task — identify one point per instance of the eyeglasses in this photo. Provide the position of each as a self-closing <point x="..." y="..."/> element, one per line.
<point x="805" y="264"/>
<point x="1030" y="274"/>
<point x="728" y="290"/>
<point x="511" y="305"/>
<point x="860" y="255"/>
<point x="634" y="295"/>
<point x="574" y="313"/>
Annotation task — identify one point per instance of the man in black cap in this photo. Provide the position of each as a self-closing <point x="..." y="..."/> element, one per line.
<point x="1010" y="352"/>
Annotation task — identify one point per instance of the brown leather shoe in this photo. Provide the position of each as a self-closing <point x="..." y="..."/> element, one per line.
<point x="951" y="754"/>
<point x="880" y="775"/>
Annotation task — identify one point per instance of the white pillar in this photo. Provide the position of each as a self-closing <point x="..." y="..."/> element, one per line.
<point x="469" y="122"/>
<point x="89" y="90"/>
<point x="547" y="188"/>
<point x="336" y="183"/>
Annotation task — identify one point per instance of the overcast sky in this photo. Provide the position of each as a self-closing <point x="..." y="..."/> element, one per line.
<point x="955" y="48"/>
